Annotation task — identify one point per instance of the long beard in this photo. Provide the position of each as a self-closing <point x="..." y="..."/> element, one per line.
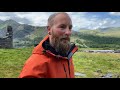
<point x="61" y="44"/>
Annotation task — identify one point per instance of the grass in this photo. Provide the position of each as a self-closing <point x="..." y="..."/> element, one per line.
<point x="92" y="64"/>
<point x="12" y="60"/>
<point x="95" y="65"/>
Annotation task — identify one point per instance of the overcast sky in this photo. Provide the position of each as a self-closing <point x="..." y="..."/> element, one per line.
<point x="89" y="20"/>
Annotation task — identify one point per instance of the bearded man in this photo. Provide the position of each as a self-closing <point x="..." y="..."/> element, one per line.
<point x="52" y="57"/>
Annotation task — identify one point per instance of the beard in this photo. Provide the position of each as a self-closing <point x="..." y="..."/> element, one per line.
<point x="61" y="44"/>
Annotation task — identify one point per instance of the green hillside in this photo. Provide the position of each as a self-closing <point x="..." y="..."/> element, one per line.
<point x="109" y="39"/>
<point x="26" y="35"/>
<point x="39" y="32"/>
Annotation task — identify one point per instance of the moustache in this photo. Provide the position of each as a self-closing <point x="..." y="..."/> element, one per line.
<point x="65" y="38"/>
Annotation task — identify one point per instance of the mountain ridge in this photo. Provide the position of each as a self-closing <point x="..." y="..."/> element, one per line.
<point x="27" y="35"/>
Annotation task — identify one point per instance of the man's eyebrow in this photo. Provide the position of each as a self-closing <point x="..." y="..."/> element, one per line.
<point x="62" y="24"/>
<point x="66" y="25"/>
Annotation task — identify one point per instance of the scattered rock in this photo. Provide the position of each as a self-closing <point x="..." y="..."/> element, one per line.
<point x="80" y="74"/>
<point x="108" y="75"/>
<point x="99" y="71"/>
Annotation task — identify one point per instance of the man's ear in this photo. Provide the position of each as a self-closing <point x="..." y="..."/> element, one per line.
<point x="49" y="30"/>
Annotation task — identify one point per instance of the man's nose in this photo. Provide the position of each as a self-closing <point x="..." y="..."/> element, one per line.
<point x="68" y="32"/>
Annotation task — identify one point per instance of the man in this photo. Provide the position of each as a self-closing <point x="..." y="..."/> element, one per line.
<point x="52" y="58"/>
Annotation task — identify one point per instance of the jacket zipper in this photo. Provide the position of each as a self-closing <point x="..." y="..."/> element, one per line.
<point x="65" y="70"/>
<point x="69" y="67"/>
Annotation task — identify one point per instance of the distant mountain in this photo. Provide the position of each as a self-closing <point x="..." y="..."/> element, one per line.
<point x="109" y="29"/>
<point x="104" y="29"/>
<point x="84" y="29"/>
<point x="4" y="24"/>
<point x="1" y="21"/>
<point x="22" y="32"/>
<point x="19" y="30"/>
<point x="10" y="22"/>
<point x="27" y="35"/>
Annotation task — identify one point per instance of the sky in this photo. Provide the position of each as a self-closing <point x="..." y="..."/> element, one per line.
<point x="88" y="20"/>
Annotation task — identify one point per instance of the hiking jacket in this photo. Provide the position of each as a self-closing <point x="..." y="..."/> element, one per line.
<point x="46" y="63"/>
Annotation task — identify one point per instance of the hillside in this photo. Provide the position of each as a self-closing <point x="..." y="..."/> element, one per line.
<point x="23" y="34"/>
<point x="100" y="38"/>
<point x="26" y="35"/>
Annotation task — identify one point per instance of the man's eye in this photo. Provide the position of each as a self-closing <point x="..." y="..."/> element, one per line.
<point x="70" y="27"/>
<point x="62" y="26"/>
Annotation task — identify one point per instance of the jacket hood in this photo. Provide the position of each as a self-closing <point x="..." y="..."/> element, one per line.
<point x="39" y="49"/>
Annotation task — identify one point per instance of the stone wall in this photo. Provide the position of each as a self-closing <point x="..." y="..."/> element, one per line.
<point x="7" y="41"/>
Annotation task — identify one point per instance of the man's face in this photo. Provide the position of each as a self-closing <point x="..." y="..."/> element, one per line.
<point x="60" y="33"/>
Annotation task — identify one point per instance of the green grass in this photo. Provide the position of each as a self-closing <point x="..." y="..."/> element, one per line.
<point x="92" y="64"/>
<point x="95" y="65"/>
<point x="12" y="60"/>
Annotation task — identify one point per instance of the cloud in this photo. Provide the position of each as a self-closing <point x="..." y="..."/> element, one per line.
<point x="94" y="21"/>
<point x="40" y="18"/>
<point x="115" y="13"/>
<point x="32" y="18"/>
<point x="101" y="23"/>
<point x="3" y="16"/>
<point x="85" y="20"/>
<point x="79" y="19"/>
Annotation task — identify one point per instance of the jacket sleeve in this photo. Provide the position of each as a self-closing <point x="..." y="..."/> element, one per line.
<point x="35" y="67"/>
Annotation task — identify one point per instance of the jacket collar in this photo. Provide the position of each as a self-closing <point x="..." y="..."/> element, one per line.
<point x="39" y="49"/>
<point x="44" y="47"/>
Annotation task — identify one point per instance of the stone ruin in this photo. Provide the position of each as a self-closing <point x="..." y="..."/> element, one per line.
<point x="7" y="41"/>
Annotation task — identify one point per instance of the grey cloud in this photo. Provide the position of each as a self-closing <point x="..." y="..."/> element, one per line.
<point x="13" y="15"/>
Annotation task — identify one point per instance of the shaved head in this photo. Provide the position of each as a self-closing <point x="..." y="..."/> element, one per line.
<point x="51" y="18"/>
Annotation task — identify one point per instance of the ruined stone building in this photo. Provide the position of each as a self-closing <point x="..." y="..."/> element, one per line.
<point x="7" y="41"/>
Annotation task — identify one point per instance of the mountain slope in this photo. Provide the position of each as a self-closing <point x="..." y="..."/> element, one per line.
<point x="27" y="35"/>
<point x="105" y="38"/>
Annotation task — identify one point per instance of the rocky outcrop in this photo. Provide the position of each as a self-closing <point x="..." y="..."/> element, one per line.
<point x="7" y="41"/>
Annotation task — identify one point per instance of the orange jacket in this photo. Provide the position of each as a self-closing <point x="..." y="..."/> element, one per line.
<point x="44" y="64"/>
